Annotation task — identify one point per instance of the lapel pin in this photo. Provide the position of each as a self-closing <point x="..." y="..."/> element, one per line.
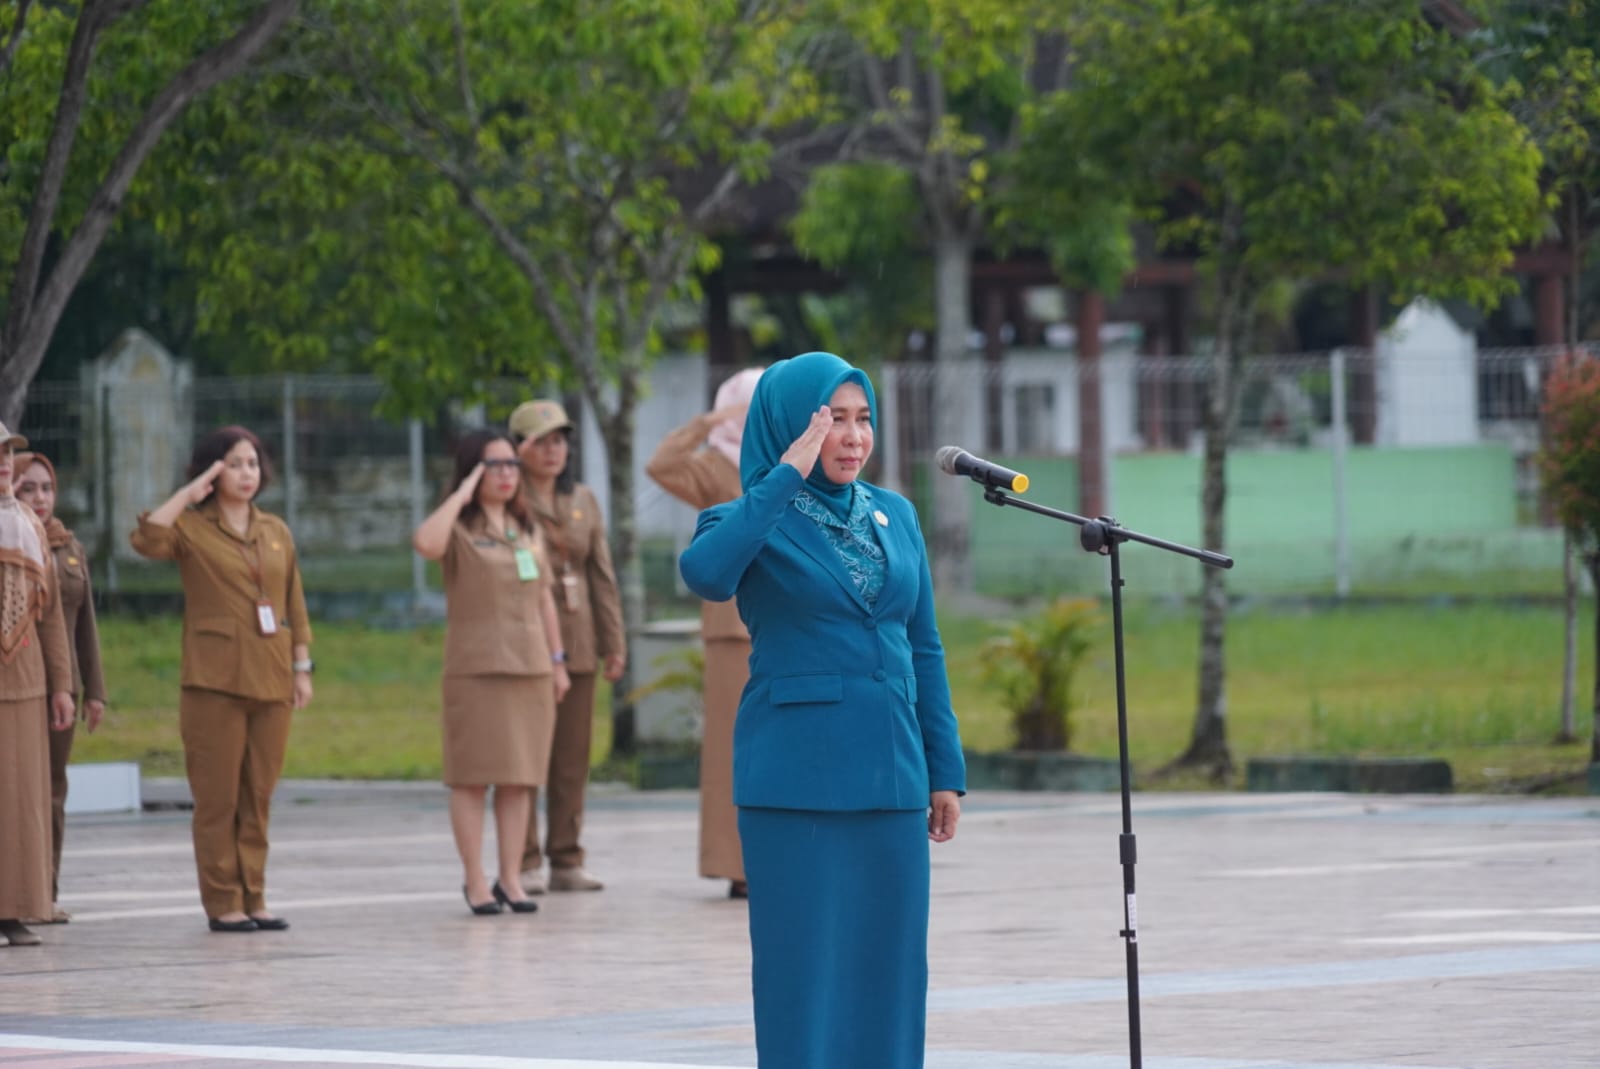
<point x="883" y="521"/>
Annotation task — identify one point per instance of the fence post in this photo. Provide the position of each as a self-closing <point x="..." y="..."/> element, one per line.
<point x="290" y="511"/>
<point x="104" y="503"/>
<point x="889" y="427"/>
<point x="419" y="575"/>
<point x="1340" y="442"/>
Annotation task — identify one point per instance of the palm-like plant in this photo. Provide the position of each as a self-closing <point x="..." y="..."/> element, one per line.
<point x="1035" y="665"/>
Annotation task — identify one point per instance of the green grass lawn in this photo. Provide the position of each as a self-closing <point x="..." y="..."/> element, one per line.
<point x="1477" y="685"/>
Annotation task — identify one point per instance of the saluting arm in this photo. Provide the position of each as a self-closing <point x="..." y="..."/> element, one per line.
<point x="728" y="537"/>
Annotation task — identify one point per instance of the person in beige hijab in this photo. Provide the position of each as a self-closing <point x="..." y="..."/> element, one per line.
<point x="35" y="696"/>
<point x="36" y="486"/>
<point x="699" y="464"/>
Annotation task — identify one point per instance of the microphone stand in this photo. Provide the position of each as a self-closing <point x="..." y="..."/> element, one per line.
<point x="1104" y="536"/>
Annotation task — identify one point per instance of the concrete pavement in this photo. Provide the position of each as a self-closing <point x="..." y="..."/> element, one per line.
<point x="1277" y="932"/>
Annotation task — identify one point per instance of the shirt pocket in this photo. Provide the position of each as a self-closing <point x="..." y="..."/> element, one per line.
<point x="212" y="657"/>
<point x="807" y="689"/>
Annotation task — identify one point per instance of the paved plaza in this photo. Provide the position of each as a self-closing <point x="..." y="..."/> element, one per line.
<point x="1277" y="932"/>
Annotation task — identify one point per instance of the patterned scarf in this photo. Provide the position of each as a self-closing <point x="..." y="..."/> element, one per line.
<point x="22" y="574"/>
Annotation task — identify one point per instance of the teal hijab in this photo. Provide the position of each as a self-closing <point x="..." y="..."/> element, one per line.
<point x="786" y="395"/>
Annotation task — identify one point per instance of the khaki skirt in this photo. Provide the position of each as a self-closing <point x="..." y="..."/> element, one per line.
<point x="24" y="809"/>
<point x="497" y="729"/>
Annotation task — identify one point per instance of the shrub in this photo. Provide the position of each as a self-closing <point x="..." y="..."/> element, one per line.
<point x="1035" y="664"/>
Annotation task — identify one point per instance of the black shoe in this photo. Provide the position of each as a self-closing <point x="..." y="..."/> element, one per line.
<point x="524" y="905"/>
<point x="738" y="889"/>
<point x="246" y="925"/>
<point x="482" y="909"/>
<point x="271" y="924"/>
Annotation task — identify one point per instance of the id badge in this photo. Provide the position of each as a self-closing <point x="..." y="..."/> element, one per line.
<point x="527" y="567"/>
<point x="266" y="619"/>
<point x="569" y="591"/>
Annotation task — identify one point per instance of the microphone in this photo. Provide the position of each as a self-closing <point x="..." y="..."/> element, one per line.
<point x="953" y="460"/>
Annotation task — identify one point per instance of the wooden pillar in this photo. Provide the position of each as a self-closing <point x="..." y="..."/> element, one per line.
<point x="720" y="353"/>
<point x="994" y="353"/>
<point x="1091" y="425"/>
<point x="1363" y="390"/>
<point x="1549" y="310"/>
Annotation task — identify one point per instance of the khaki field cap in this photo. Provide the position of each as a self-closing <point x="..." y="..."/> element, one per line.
<point x="535" y="419"/>
<point x="15" y="441"/>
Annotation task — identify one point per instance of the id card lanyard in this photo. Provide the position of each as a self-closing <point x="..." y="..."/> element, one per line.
<point x="527" y="563"/>
<point x="266" y="619"/>
<point x="563" y="564"/>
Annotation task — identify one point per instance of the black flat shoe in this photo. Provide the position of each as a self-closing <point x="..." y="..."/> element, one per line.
<point x="738" y="889"/>
<point x="246" y="925"/>
<point x="526" y="905"/>
<point x="481" y="909"/>
<point x="271" y="924"/>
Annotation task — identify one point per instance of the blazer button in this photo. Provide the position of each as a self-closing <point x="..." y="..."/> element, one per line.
<point x="880" y="675"/>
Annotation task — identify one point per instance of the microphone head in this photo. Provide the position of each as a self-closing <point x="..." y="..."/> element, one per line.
<point x="946" y="458"/>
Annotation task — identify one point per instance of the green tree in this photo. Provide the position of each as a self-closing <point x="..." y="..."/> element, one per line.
<point x="1277" y="139"/>
<point x="1545" y="50"/>
<point x="92" y="69"/>
<point x="1570" y="463"/>
<point x="555" y="167"/>
<point x="934" y="91"/>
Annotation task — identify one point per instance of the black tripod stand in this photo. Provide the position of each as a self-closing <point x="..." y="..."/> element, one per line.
<point x="1104" y="536"/>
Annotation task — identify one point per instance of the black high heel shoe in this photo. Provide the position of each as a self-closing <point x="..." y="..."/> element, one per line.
<point x="481" y="909"/>
<point x="525" y="905"/>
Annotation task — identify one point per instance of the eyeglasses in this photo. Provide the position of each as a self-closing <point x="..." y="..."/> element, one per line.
<point x="501" y="463"/>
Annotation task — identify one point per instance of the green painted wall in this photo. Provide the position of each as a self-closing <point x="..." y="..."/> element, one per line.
<point x="1419" y="519"/>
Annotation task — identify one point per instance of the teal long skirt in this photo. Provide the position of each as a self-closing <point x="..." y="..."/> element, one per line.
<point x="838" y="936"/>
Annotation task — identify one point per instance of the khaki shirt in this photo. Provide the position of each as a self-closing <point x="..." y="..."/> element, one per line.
<point x="588" y="602"/>
<point x="494" y="622"/>
<point x="223" y="648"/>
<point x="701" y="478"/>
<point x="77" y="612"/>
<point x="43" y="663"/>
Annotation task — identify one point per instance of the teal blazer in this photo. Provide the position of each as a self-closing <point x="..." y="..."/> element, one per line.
<point x="847" y="708"/>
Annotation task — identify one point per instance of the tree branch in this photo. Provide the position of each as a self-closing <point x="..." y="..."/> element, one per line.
<point x="36" y="321"/>
<point x="458" y="26"/>
<point x="10" y="50"/>
<point x="885" y="107"/>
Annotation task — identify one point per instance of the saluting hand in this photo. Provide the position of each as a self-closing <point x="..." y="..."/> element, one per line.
<point x="728" y="412"/>
<point x="469" y="486"/>
<point x="199" y="488"/>
<point x="802" y="455"/>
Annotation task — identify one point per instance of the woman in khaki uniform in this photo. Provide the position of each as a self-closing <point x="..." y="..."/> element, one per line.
<point x="703" y="477"/>
<point x="504" y="667"/>
<point x="590" y="608"/>
<point x="35" y="661"/>
<point x="36" y="488"/>
<point x="246" y="664"/>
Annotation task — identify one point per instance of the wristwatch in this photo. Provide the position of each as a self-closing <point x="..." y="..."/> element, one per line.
<point x="307" y="666"/>
<point x="558" y="657"/>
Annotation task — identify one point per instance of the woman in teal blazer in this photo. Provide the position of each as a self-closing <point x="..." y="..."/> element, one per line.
<point x="846" y="755"/>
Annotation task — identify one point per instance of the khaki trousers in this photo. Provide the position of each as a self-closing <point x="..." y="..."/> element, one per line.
<point x="564" y="786"/>
<point x="60" y="754"/>
<point x="233" y="752"/>
<point x="727" y="670"/>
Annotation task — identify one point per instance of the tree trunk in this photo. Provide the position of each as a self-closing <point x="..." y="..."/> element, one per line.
<point x="1208" y="745"/>
<point x="36" y="304"/>
<point x="1569" y="653"/>
<point x="1593" y="561"/>
<point x="953" y="397"/>
<point x="617" y="429"/>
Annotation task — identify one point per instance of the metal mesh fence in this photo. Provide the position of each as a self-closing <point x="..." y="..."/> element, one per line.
<point x="1408" y="472"/>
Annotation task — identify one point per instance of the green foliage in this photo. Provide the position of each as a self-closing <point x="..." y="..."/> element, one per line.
<point x="1570" y="459"/>
<point x="1275" y="137"/>
<point x="1035" y="666"/>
